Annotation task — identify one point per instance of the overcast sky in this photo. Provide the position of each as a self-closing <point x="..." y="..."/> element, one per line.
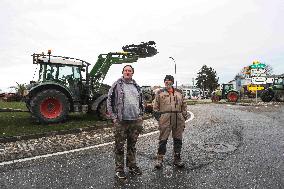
<point x="223" y="34"/>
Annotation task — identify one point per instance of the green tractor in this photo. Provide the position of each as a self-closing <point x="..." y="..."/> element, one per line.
<point x="65" y="84"/>
<point x="226" y="91"/>
<point x="149" y="96"/>
<point x="274" y="92"/>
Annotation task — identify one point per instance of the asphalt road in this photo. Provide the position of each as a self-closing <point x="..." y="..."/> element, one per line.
<point x="225" y="146"/>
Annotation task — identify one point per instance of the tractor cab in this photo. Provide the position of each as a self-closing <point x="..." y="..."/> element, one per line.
<point x="58" y="68"/>
<point x="61" y="72"/>
<point x="226" y="88"/>
<point x="278" y="83"/>
<point x="225" y="91"/>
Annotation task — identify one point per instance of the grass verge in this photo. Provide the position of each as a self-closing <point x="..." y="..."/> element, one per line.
<point x="21" y="123"/>
<point x="193" y="102"/>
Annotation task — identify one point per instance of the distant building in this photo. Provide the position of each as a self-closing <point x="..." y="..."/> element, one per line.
<point x="190" y="92"/>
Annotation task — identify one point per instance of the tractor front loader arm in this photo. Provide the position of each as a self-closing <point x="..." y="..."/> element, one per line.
<point x="100" y="69"/>
<point x="131" y="54"/>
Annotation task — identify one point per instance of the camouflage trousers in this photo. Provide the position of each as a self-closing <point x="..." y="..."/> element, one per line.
<point x="126" y="131"/>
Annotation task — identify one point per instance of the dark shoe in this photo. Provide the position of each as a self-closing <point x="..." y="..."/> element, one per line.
<point x="135" y="170"/>
<point x="177" y="160"/>
<point x="159" y="162"/>
<point x="120" y="175"/>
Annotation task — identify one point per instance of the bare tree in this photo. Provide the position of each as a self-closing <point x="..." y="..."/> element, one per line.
<point x="269" y="69"/>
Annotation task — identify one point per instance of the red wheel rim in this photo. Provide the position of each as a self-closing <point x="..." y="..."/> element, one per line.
<point x="233" y="97"/>
<point x="51" y="108"/>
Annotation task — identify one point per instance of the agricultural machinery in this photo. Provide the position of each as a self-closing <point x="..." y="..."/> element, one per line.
<point x="226" y="91"/>
<point x="149" y="96"/>
<point x="274" y="92"/>
<point x="65" y="84"/>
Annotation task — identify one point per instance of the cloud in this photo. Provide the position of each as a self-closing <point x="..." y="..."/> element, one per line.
<point x="225" y="35"/>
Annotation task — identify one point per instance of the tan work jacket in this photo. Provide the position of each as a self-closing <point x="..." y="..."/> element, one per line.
<point x="168" y="103"/>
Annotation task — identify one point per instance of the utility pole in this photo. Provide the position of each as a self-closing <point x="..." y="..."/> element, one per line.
<point x="175" y="70"/>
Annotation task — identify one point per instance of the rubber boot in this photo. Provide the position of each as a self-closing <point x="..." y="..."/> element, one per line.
<point x="159" y="161"/>
<point x="177" y="160"/>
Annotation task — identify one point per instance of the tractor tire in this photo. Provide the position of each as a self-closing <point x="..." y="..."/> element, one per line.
<point x="148" y="108"/>
<point x="279" y="97"/>
<point x="232" y="96"/>
<point x="267" y="95"/>
<point x="148" y="97"/>
<point x="50" y="106"/>
<point x="102" y="110"/>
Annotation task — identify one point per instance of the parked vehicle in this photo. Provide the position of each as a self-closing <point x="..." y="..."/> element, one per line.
<point x="149" y="96"/>
<point x="65" y="84"/>
<point x="10" y="94"/>
<point x="275" y="91"/>
<point x="226" y="91"/>
<point x="2" y="93"/>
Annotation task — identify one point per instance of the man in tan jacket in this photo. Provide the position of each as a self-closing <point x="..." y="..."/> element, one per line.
<point x="170" y="109"/>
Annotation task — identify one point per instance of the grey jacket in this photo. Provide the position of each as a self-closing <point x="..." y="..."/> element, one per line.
<point x="115" y="100"/>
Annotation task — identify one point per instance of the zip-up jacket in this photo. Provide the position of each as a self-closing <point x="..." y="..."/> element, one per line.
<point x="115" y="101"/>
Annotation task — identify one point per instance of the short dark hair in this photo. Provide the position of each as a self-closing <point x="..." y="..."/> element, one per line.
<point x="129" y="66"/>
<point x="169" y="77"/>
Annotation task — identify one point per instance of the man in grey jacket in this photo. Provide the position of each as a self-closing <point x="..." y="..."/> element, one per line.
<point x="125" y="107"/>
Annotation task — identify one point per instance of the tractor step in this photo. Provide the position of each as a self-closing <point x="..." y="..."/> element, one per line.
<point x="78" y="108"/>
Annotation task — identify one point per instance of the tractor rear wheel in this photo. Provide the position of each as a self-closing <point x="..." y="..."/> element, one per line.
<point x="232" y="96"/>
<point x="279" y="97"/>
<point x="267" y="95"/>
<point x="50" y="106"/>
<point x="148" y="97"/>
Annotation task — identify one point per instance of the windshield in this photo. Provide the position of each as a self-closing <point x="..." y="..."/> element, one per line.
<point x="228" y="87"/>
<point x="59" y="73"/>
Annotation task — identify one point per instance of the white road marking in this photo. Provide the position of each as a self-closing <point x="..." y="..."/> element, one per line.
<point x="79" y="149"/>
<point x="191" y="116"/>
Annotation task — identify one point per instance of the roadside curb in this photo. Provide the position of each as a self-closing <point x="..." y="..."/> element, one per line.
<point x="260" y="104"/>
<point x="251" y="103"/>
